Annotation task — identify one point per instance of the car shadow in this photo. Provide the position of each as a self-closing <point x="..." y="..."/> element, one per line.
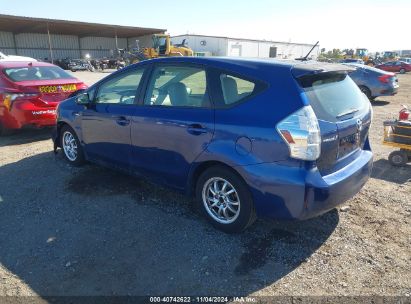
<point x="94" y="231"/>
<point x="25" y="136"/>
<point x="382" y="169"/>
<point x="379" y="103"/>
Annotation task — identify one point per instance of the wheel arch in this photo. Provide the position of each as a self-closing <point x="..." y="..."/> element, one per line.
<point x="363" y="86"/>
<point x="59" y="126"/>
<point x="199" y="168"/>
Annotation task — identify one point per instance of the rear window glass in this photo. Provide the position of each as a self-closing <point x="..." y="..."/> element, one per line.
<point x="367" y="68"/>
<point x="334" y="96"/>
<point x="36" y="73"/>
<point x="235" y="89"/>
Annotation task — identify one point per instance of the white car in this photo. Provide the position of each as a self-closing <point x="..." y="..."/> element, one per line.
<point x="4" y="57"/>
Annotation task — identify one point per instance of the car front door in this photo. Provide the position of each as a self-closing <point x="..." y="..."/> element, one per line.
<point x="106" y="123"/>
<point x="174" y="123"/>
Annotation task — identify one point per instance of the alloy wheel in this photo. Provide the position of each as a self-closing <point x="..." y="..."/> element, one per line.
<point x="221" y="200"/>
<point x="70" y="146"/>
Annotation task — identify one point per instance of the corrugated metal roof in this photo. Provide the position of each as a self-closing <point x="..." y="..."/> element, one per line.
<point x="19" y="24"/>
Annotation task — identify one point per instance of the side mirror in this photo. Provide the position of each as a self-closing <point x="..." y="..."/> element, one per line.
<point x="83" y="99"/>
<point x="75" y="93"/>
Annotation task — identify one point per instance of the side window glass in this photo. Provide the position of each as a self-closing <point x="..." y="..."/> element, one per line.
<point x="235" y="89"/>
<point x="121" y="89"/>
<point x="178" y="86"/>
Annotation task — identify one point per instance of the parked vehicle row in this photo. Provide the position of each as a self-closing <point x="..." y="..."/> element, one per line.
<point x="248" y="138"/>
<point x="89" y="64"/>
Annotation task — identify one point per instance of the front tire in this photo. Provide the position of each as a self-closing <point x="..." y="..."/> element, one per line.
<point x="402" y="71"/>
<point x="225" y="200"/>
<point x="72" y="149"/>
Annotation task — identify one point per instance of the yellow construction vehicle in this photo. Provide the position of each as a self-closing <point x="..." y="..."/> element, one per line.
<point x="162" y="47"/>
<point x="363" y="54"/>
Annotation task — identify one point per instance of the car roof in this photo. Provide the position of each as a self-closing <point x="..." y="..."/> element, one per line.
<point x="20" y="64"/>
<point x="369" y="68"/>
<point x="299" y="67"/>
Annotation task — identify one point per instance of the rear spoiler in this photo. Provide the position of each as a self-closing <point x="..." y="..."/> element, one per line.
<point x="314" y="68"/>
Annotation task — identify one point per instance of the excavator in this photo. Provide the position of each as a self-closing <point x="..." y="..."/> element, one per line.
<point x="162" y="47"/>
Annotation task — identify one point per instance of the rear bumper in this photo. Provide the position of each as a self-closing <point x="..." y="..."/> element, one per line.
<point x="28" y="115"/>
<point x="283" y="192"/>
<point x="385" y="91"/>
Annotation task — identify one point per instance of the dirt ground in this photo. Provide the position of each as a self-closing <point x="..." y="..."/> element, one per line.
<point x="93" y="231"/>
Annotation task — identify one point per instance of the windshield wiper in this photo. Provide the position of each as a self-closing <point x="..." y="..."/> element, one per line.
<point x="348" y="112"/>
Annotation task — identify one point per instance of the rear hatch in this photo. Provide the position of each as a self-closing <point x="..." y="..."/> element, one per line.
<point x="343" y="112"/>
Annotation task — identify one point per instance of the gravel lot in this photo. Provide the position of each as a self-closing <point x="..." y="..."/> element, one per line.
<point x="94" y="231"/>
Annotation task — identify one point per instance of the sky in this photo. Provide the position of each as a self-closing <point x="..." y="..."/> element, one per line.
<point x="379" y="25"/>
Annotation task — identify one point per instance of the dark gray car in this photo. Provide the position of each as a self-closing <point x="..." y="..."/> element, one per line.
<point x="374" y="82"/>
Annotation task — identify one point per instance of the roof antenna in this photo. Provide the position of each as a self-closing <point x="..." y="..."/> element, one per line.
<point x="308" y="54"/>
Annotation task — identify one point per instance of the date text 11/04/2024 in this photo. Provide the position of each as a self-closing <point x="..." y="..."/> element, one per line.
<point x="202" y="299"/>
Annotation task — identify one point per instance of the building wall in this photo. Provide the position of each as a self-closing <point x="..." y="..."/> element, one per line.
<point x="36" y="45"/>
<point x="217" y="46"/>
<point x="143" y="41"/>
<point x="403" y="53"/>
<point x="98" y="47"/>
<point x="220" y="46"/>
<point x="7" y="43"/>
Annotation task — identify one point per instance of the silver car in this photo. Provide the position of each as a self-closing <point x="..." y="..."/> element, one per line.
<point x="374" y="82"/>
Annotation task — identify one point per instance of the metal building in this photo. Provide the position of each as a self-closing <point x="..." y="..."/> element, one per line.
<point x="237" y="47"/>
<point x="57" y="39"/>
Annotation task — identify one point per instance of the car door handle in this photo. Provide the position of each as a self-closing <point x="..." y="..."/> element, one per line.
<point x="122" y="121"/>
<point x="196" y="129"/>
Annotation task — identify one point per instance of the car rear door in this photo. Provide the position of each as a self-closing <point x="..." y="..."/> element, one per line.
<point x="174" y="123"/>
<point x="390" y="67"/>
<point x="106" y="122"/>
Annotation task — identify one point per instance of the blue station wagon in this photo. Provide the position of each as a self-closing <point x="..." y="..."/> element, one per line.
<point x="248" y="138"/>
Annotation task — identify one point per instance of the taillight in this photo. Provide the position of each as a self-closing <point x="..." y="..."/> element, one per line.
<point x="9" y="98"/>
<point x="384" y="78"/>
<point x="302" y="134"/>
<point x="82" y="86"/>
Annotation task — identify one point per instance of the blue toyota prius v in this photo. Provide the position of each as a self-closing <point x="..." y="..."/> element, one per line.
<point x="248" y="138"/>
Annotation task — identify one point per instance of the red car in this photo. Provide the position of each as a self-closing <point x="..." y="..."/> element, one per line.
<point x="395" y="66"/>
<point x="30" y="93"/>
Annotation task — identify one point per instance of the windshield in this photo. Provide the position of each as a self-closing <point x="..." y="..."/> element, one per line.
<point x="159" y="41"/>
<point x="36" y="73"/>
<point x="334" y="96"/>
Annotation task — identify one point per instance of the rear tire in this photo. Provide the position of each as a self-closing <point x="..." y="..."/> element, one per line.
<point x="4" y="131"/>
<point x="229" y="208"/>
<point x="398" y="158"/>
<point x="366" y="91"/>
<point x="70" y="144"/>
<point x="402" y="71"/>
